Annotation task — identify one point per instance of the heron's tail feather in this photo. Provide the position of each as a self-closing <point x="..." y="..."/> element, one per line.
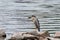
<point x="39" y="29"/>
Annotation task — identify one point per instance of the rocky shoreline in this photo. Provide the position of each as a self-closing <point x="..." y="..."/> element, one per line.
<point x="34" y="35"/>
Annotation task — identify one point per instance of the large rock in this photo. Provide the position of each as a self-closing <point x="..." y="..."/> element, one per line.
<point x="23" y="36"/>
<point x="41" y="38"/>
<point x="44" y="34"/>
<point x="40" y="34"/>
<point x="52" y="38"/>
<point x="57" y="35"/>
<point x="2" y="33"/>
<point x="29" y="35"/>
<point x="17" y="35"/>
<point x="2" y="38"/>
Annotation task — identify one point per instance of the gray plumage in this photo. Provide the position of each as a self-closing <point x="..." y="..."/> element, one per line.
<point x="35" y="21"/>
<point x="37" y="24"/>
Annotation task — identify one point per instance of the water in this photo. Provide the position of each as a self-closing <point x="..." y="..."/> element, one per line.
<point x="14" y="15"/>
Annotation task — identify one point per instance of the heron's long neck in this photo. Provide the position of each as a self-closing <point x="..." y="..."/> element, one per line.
<point x="36" y="22"/>
<point x="33" y="19"/>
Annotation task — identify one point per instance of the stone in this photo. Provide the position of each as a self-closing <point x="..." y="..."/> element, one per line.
<point x="22" y="36"/>
<point x="44" y="35"/>
<point x="57" y="35"/>
<point x="34" y="35"/>
<point x="2" y="38"/>
<point x="41" y="38"/>
<point x="2" y="33"/>
<point x="52" y="38"/>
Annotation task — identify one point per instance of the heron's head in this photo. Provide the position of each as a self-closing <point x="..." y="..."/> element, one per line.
<point x="32" y="17"/>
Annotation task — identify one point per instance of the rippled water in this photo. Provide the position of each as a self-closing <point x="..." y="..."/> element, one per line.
<point x="14" y="15"/>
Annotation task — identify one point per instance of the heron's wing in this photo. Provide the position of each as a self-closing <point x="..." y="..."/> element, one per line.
<point x="37" y="23"/>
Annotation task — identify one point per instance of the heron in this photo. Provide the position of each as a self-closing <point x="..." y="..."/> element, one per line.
<point x="35" y="21"/>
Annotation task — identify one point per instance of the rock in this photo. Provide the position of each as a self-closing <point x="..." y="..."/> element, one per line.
<point x="41" y="38"/>
<point x="57" y="35"/>
<point x="2" y="38"/>
<point x="34" y="35"/>
<point x="52" y="38"/>
<point x="2" y="33"/>
<point x="41" y="34"/>
<point x="30" y="37"/>
<point x="44" y="34"/>
<point x="17" y="35"/>
<point x="22" y="36"/>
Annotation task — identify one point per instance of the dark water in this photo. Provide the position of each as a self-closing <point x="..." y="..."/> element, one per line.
<point x="14" y="15"/>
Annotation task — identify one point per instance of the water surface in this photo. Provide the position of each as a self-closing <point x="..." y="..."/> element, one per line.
<point x="14" y="15"/>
